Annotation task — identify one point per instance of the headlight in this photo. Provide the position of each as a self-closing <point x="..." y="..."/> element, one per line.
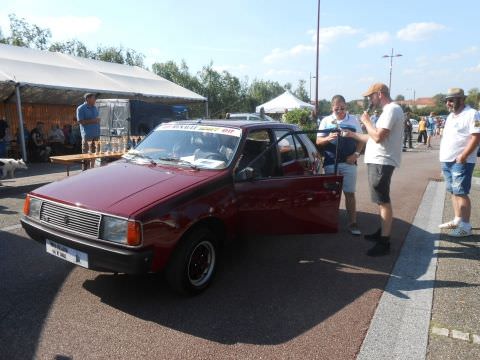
<point x="32" y="207"/>
<point x="114" y="229"/>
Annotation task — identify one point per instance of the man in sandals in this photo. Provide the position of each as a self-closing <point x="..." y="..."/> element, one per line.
<point x="458" y="155"/>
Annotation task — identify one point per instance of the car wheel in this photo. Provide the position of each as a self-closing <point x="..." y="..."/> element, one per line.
<point x="193" y="263"/>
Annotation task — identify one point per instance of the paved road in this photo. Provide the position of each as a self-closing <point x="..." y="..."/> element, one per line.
<point x="308" y="297"/>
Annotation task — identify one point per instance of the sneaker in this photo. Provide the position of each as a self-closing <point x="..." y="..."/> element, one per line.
<point x="460" y="231"/>
<point x="373" y="237"/>
<point x="380" y="248"/>
<point x="448" y="225"/>
<point x="354" y="230"/>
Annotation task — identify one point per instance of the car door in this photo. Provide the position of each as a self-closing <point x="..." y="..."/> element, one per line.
<point x="271" y="202"/>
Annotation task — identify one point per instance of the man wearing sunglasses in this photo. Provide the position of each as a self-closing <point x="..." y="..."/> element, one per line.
<point x="458" y="155"/>
<point x="348" y="153"/>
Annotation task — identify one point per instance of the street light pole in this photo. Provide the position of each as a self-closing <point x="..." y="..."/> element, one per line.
<point x="311" y="77"/>
<point x="316" y="74"/>
<point x="391" y="64"/>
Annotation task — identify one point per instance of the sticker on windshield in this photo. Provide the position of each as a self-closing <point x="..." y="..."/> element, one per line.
<point x="201" y="128"/>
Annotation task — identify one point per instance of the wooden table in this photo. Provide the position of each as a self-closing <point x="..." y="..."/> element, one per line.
<point x="80" y="158"/>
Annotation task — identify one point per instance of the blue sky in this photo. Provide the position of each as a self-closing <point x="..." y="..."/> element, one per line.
<point x="275" y="40"/>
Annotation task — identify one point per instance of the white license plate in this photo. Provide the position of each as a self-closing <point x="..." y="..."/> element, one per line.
<point x="66" y="253"/>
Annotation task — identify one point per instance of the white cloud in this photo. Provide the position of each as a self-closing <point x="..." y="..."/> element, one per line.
<point x="332" y="33"/>
<point x="419" y="31"/>
<point x="411" y="71"/>
<point x="366" y="79"/>
<point x="475" y="69"/>
<point x="373" y="39"/>
<point x="327" y="35"/>
<point x="459" y="54"/>
<point x="277" y="54"/>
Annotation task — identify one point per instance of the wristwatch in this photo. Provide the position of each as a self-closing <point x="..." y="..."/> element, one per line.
<point x="357" y="153"/>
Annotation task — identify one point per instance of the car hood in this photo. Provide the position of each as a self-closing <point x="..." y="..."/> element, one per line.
<point x="123" y="188"/>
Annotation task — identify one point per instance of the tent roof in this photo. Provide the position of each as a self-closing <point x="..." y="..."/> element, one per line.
<point x="284" y="101"/>
<point x="56" y="78"/>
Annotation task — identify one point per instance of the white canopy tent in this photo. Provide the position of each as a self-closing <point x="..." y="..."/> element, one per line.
<point x="34" y="76"/>
<point x="285" y="101"/>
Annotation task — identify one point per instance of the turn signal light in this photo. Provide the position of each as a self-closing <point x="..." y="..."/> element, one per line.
<point x="134" y="233"/>
<point x="26" y="206"/>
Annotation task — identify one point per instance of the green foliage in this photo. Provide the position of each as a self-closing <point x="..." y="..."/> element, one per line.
<point x="302" y="118"/>
<point x="301" y="91"/>
<point x="26" y="35"/>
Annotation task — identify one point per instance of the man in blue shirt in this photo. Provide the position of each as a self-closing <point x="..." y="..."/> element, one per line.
<point x="348" y="153"/>
<point x="87" y="117"/>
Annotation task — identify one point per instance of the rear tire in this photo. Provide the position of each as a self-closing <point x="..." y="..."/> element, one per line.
<point x="193" y="263"/>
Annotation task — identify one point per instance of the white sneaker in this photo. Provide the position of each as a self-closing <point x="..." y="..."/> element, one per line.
<point x="449" y="225"/>
<point x="461" y="231"/>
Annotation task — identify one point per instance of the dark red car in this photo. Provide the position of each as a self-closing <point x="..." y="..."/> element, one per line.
<point x="187" y="188"/>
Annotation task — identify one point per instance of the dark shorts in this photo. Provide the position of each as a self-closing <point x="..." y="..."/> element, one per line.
<point x="379" y="177"/>
<point x="458" y="177"/>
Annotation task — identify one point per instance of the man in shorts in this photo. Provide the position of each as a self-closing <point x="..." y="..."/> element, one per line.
<point x="348" y="153"/>
<point x="458" y="155"/>
<point x="382" y="155"/>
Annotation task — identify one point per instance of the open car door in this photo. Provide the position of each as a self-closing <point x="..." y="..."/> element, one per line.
<point x="273" y="199"/>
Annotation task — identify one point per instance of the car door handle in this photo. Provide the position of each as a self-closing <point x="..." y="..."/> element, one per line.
<point x="281" y="200"/>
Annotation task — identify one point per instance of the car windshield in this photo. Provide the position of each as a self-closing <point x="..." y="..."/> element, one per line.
<point x="193" y="145"/>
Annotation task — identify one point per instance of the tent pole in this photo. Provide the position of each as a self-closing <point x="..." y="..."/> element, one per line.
<point x="20" y="122"/>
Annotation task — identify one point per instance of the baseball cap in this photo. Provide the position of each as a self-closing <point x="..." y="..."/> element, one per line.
<point x="377" y="87"/>
<point x="87" y="95"/>
<point x="455" y="93"/>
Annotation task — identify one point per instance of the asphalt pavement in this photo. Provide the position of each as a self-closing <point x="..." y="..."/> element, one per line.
<point x="429" y="309"/>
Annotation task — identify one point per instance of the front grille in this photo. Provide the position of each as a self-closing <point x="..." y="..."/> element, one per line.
<point x="71" y="220"/>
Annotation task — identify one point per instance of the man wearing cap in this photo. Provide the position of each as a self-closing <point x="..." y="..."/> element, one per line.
<point x="382" y="154"/>
<point x="458" y="155"/>
<point x="87" y="117"/>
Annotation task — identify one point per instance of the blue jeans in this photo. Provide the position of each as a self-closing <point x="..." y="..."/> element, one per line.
<point x="458" y="177"/>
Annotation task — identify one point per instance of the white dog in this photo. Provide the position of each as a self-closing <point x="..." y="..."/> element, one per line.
<point x="9" y="166"/>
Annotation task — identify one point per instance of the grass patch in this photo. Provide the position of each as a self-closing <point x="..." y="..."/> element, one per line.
<point x="476" y="172"/>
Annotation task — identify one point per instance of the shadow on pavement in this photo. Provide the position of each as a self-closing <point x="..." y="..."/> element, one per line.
<point x="30" y="282"/>
<point x="269" y="290"/>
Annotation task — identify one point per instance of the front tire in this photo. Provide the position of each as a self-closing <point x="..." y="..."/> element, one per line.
<point x="193" y="263"/>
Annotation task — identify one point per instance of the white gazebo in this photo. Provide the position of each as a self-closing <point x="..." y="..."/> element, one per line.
<point x="285" y="101"/>
<point x="34" y="76"/>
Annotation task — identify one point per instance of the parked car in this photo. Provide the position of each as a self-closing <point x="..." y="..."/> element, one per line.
<point x="185" y="190"/>
<point x="414" y="125"/>
<point x="249" y="116"/>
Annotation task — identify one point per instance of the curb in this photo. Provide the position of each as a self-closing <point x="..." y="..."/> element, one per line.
<point x="401" y="323"/>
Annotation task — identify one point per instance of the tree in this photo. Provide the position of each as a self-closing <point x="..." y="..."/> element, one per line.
<point x="26" y="35"/>
<point x="473" y="98"/>
<point x="301" y="91"/>
<point x="400" y="98"/>
<point x="72" y="47"/>
<point x="119" y="55"/>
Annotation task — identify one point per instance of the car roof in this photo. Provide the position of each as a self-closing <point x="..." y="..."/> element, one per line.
<point x="242" y="124"/>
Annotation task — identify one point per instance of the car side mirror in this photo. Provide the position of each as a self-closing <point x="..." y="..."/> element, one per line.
<point x="246" y="174"/>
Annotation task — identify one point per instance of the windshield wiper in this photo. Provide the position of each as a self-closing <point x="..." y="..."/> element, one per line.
<point x="179" y="161"/>
<point x="140" y="155"/>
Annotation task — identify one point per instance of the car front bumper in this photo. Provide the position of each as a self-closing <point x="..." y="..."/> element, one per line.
<point x="101" y="256"/>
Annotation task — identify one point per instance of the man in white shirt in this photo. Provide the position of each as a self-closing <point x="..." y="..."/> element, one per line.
<point x="382" y="154"/>
<point x="458" y="155"/>
<point x="347" y="155"/>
